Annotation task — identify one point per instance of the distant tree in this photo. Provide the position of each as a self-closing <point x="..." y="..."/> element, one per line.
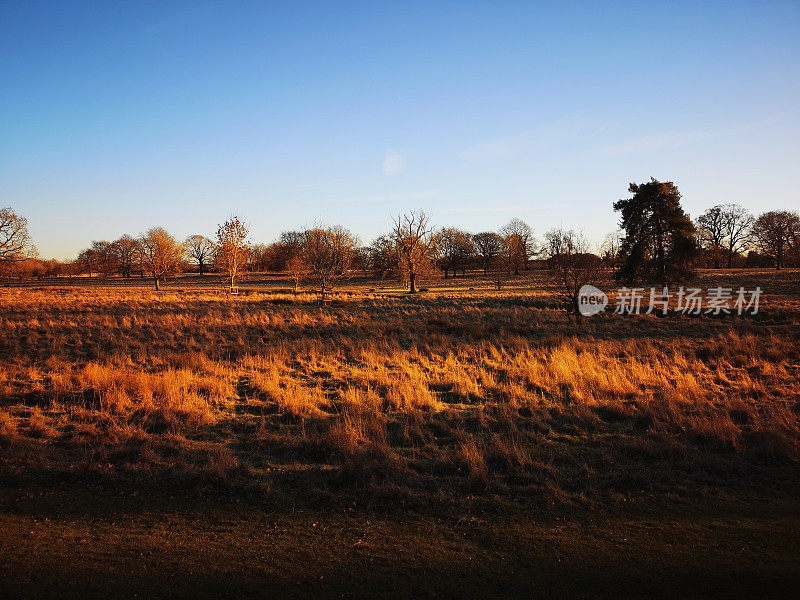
<point x="328" y="256"/>
<point x="777" y="234"/>
<point x="72" y="268"/>
<point x="87" y="261"/>
<point x="383" y="258"/>
<point x="725" y="230"/>
<point x="200" y="251"/>
<point x="489" y="248"/>
<point x="519" y="244"/>
<point x="455" y="249"/>
<point x="105" y="258"/>
<point x="362" y="260"/>
<point x="738" y="230"/>
<point x="297" y="269"/>
<point x="571" y="265"/>
<point x="162" y="254"/>
<point x="412" y="237"/>
<point x="659" y="244"/>
<point x="609" y="249"/>
<point x="21" y="270"/>
<point x="15" y="241"/>
<point x="232" y="248"/>
<point x="127" y="254"/>
<point x="710" y="234"/>
<point x="278" y="254"/>
<point x="259" y="257"/>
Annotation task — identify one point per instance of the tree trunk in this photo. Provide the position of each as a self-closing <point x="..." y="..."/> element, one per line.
<point x="412" y="279"/>
<point x="576" y="311"/>
<point x="158" y="283"/>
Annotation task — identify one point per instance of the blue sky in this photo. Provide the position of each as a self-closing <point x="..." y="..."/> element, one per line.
<point x="115" y="117"/>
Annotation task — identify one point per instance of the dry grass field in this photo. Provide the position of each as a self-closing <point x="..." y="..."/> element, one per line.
<point x="464" y="441"/>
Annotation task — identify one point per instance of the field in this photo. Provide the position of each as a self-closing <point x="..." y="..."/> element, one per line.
<point x="464" y="441"/>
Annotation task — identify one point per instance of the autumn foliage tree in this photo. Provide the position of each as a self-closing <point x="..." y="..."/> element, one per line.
<point x="161" y="253"/>
<point x="232" y="248"/>
<point x="297" y="270"/>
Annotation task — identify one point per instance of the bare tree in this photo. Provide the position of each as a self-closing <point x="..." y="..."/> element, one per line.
<point x="455" y="249"/>
<point x="161" y="254"/>
<point x="15" y="241"/>
<point x="738" y="230"/>
<point x="127" y="254"/>
<point x="776" y="233"/>
<point x="200" y="250"/>
<point x="87" y="261"/>
<point x="412" y="237"/>
<point x="711" y="233"/>
<point x="489" y="247"/>
<point x="571" y="264"/>
<point x="259" y="257"/>
<point x="609" y="249"/>
<point x="519" y="244"/>
<point x="232" y="248"/>
<point x="383" y="257"/>
<point x="328" y="255"/>
<point x="105" y="258"/>
<point x="725" y="229"/>
<point x="362" y="260"/>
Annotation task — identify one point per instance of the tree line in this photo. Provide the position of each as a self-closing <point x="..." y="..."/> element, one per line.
<point x="657" y="243"/>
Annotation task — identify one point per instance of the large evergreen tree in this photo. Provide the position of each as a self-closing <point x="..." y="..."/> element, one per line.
<point x="659" y="245"/>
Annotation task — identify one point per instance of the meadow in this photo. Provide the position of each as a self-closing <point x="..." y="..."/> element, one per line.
<point x="461" y="437"/>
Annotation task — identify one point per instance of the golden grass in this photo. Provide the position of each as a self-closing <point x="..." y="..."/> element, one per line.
<point x="454" y="386"/>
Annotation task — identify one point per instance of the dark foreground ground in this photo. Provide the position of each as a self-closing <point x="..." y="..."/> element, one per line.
<point x="94" y="543"/>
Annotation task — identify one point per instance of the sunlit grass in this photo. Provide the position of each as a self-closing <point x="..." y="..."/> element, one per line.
<point x="456" y="388"/>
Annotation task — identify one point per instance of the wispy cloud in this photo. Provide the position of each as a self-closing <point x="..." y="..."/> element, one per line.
<point x="502" y="148"/>
<point x="543" y="136"/>
<point x="665" y="141"/>
<point x="303" y="186"/>
<point x="394" y="163"/>
<point x="488" y="208"/>
<point x="671" y="140"/>
<point x="412" y="195"/>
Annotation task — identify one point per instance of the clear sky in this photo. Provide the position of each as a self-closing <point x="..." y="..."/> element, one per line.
<point x="118" y="116"/>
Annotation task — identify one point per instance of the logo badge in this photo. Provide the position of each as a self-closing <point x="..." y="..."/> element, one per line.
<point x="591" y="300"/>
